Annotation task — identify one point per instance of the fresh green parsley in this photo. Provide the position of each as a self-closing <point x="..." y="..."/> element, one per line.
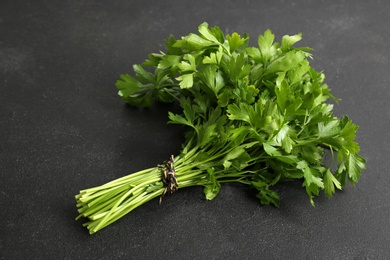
<point x="253" y="115"/>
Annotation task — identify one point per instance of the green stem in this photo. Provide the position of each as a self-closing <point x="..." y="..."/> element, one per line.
<point x="168" y="92"/>
<point x="107" y="203"/>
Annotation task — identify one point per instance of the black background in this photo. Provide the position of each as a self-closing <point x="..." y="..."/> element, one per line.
<point x="63" y="129"/>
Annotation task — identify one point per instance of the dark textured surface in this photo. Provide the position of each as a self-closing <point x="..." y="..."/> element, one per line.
<point x="63" y="128"/>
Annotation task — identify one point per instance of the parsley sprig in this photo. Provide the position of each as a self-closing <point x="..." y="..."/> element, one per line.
<point x="253" y="115"/>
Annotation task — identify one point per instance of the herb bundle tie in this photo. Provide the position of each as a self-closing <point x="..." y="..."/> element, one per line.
<point x="168" y="177"/>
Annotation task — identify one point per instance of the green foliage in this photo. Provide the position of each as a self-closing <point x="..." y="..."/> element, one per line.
<point x="271" y="98"/>
<point x="253" y="115"/>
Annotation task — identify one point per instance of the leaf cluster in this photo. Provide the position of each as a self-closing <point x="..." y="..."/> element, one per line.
<point x="254" y="115"/>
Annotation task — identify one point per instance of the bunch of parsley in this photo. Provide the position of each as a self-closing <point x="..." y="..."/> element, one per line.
<point x="253" y="115"/>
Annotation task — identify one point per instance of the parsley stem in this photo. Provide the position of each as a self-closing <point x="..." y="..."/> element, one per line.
<point x="172" y="95"/>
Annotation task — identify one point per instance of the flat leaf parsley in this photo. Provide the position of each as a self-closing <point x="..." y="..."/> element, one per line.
<point x="253" y="115"/>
